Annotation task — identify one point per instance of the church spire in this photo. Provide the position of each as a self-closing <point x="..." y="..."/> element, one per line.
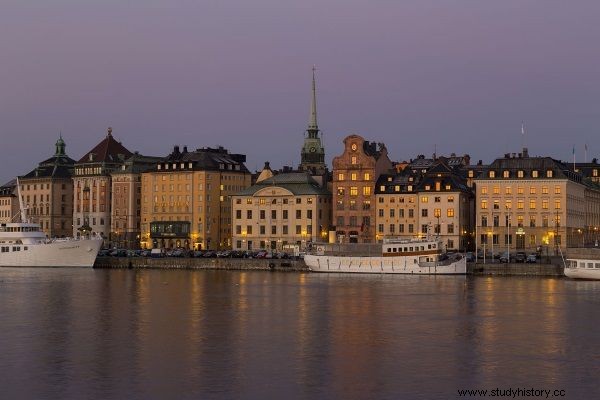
<point x="313" y="128"/>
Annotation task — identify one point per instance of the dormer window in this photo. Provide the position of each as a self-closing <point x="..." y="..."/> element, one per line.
<point x="520" y="173"/>
<point x="549" y="173"/>
<point x="382" y="188"/>
<point x="506" y="174"/>
<point x="166" y="166"/>
<point x="470" y="173"/>
<point x="534" y="174"/>
<point x="492" y="174"/>
<point x="190" y="165"/>
<point x="182" y="166"/>
<point x="174" y="166"/>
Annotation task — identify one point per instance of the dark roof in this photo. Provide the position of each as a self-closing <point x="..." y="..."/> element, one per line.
<point x="206" y="158"/>
<point x="440" y="172"/>
<point x="51" y="171"/>
<point x="137" y="163"/>
<point x="107" y="151"/>
<point x="542" y="165"/>
<point x="299" y="183"/>
<point x="8" y="188"/>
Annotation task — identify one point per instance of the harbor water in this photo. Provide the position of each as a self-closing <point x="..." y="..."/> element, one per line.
<point x="185" y="334"/>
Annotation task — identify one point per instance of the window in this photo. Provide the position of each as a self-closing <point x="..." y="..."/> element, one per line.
<point x="380" y="228"/>
<point x="470" y="173"/>
<point x="450" y="228"/>
<point x="411" y="213"/>
<point x="544" y="189"/>
<point x="298" y="214"/>
<point x="557" y="190"/>
<point x="238" y="214"/>
<point x="273" y="214"/>
<point x="298" y="229"/>
<point x="238" y="229"/>
<point x="437" y="199"/>
<point x="496" y="189"/>
<point x="520" y="173"/>
<point x="545" y="221"/>
<point x="544" y="204"/>
<point x="496" y="220"/>
<point x="340" y="191"/>
<point x="532" y="204"/>
<point x="392" y="213"/>
<point x="424" y="212"/>
<point x="380" y="212"/>
<point x="424" y="199"/>
<point x="367" y="176"/>
<point x="411" y="228"/>
<point x="353" y="160"/>
<point x="437" y="212"/>
<point x="532" y="221"/>
<point x="392" y="229"/>
<point x="506" y="174"/>
<point x="508" y="190"/>
<point x="424" y="228"/>
<point x="353" y="176"/>
<point x="534" y="174"/>
<point x="549" y="173"/>
<point x="354" y="191"/>
<point x="248" y="214"/>
<point x="285" y="214"/>
<point x="557" y="204"/>
<point x="520" y="204"/>
<point x="366" y="191"/>
<point x="484" y="204"/>
<point x="262" y="229"/>
<point x="496" y="204"/>
<point x="341" y="177"/>
<point x="520" y="190"/>
<point x="262" y="214"/>
<point x="450" y="212"/>
<point x="484" y="221"/>
<point x="484" y="190"/>
<point x="340" y="221"/>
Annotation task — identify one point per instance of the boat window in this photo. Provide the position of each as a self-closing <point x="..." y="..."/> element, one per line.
<point x="25" y="248"/>
<point x="422" y="248"/>
<point x="434" y="246"/>
<point x="597" y="265"/>
<point x="582" y="265"/>
<point x="411" y="248"/>
<point x="414" y="260"/>
<point x="429" y="246"/>
<point x="4" y="249"/>
<point x="590" y="265"/>
<point x="389" y="250"/>
<point x="394" y="249"/>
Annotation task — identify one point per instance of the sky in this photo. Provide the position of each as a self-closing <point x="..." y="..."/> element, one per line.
<point x="456" y="75"/>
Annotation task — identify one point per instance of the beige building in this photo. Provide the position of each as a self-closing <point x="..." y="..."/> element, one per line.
<point x="92" y="187"/>
<point x="531" y="203"/>
<point x="280" y="210"/>
<point x="186" y="199"/>
<point x="9" y="203"/>
<point x="126" y="203"/>
<point x="355" y="173"/>
<point x="48" y="193"/>
<point x="437" y="203"/>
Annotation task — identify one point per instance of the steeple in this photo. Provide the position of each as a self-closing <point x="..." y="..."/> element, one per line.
<point x="313" y="128"/>
<point x="312" y="156"/>
<point x="60" y="146"/>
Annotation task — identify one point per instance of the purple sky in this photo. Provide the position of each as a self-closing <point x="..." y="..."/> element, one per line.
<point x="459" y="74"/>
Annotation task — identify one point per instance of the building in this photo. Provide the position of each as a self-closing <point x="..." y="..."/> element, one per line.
<point x="126" y="200"/>
<point x="534" y="203"/>
<point x="48" y="193"/>
<point x="355" y="173"/>
<point x="279" y="210"/>
<point x="9" y="203"/>
<point x="92" y="186"/>
<point x="437" y="203"/>
<point x="186" y="199"/>
<point x="312" y="155"/>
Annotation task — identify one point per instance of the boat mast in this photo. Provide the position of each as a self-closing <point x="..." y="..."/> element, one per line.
<point x="22" y="209"/>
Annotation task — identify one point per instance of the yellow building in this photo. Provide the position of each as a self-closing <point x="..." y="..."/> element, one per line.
<point x="186" y="199"/>
<point x="533" y="203"/>
<point x="9" y="203"/>
<point x="280" y="210"/>
<point x="48" y="193"/>
<point x="436" y="202"/>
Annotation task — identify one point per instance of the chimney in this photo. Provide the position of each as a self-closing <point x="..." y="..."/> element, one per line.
<point x="185" y="149"/>
<point x="525" y="152"/>
<point x="176" y="149"/>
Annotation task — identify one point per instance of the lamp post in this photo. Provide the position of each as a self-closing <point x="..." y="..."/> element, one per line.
<point x="508" y="231"/>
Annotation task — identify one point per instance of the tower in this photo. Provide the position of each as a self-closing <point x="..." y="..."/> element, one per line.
<point x="312" y="155"/>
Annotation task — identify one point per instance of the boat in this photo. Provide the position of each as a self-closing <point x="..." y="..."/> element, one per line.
<point x="24" y="244"/>
<point x="397" y="256"/>
<point x="577" y="268"/>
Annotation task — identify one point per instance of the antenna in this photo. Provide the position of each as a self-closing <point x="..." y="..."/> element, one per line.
<point x="22" y="209"/>
<point x="522" y="134"/>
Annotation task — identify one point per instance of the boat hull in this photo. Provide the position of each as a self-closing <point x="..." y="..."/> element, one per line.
<point x="582" y="273"/>
<point x="68" y="253"/>
<point x="381" y="265"/>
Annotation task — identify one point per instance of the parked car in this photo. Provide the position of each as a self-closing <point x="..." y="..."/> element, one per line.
<point x="520" y="257"/>
<point x="470" y="257"/>
<point x="210" y="254"/>
<point x="504" y="257"/>
<point x="532" y="258"/>
<point x="156" y="253"/>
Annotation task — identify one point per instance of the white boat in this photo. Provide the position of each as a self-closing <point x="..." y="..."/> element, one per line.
<point x="24" y="244"/>
<point x="582" y="269"/>
<point x="398" y="256"/>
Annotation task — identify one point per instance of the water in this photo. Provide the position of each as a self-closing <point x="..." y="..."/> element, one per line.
<point x="116" y="334"/>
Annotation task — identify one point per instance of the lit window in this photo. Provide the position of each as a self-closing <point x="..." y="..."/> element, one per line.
<point x="367" y="191"/>
<point x="520" y="174"/>
<point x="340" y="177"/>
<point x="367" y="176"/>
<point x="506" y="174"/>
<point x="549" y="173"/>
<point x="354" y="160"/>
<point x="484" y="204"/>
<point x="354" y="191"/>
<point x="484" y="190"/>
<point x="492" y="174"/>
<point x="353" y="176"/>
<point x="424" y="199"/>
<point x="557" y="190"/>
<point x="534" y="174"/>
<point x="508" y="190"/>
<point x="450" y="212"/>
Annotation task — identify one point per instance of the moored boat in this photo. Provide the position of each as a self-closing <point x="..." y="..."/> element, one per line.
<point x="577" y="268"/>
<point x="397" y="256"/>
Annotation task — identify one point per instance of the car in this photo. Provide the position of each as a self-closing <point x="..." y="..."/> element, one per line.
<point x="470" y="257"/>
<point x="520" y="257"/>
<point x="210" y="254"/>
<point x="532" y="258"/>
<point x="504" y="258"/>
<point x="104" y="253"/>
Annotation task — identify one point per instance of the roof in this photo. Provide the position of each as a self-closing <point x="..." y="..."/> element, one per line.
<point x="528" y="165"/>
<point x="449" y="178"/>
<point x="137" y="163"/>
<point x="299" y="183"/>
<point x="107" y="151"/>
<point x="212" y="159"/>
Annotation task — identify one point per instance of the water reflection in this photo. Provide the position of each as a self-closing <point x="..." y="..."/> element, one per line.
<point x="69" y="333"/>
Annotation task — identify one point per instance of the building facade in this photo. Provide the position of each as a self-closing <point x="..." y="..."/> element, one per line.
<point x="92" y="187"/>
<point x="355" y="173"/>
<point x="281" y="210"/>
<point x="126" y="200"/>
<point x="534" y="203"/>
<point x="186" y="199"/>
<point x="48" y="193"/>
<point x="9" y="203"/>
<point x="436" y="203"/>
